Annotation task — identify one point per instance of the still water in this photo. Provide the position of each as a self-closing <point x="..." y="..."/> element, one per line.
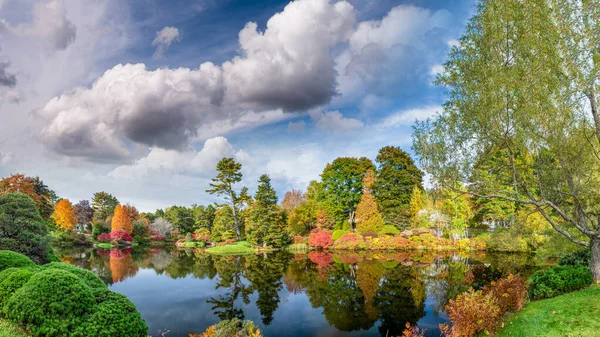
<point x="317" y="294"/>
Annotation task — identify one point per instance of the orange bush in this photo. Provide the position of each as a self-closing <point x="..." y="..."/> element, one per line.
<point x="350" y="241"/>
<point x="413" y="331"/>
<point x="121" y="220"/>
<point x="471" y="313"/>
<point x="510" y="292"/>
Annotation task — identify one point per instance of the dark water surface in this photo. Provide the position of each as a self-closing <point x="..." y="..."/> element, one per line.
<point x="315" y="294"/>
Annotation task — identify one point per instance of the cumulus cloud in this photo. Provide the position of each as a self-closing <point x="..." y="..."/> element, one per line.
<point x="408" y="117"/>
<point x="164" y="38"/>
<point x="50" y="22"/>
<point x="288" y="67"/>
<point x="6" y="79"/>
<point x="335" y="121"/>
<point x="190" y="162"/>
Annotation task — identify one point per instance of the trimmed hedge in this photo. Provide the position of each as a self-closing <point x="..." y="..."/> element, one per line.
<point x="14" y="281"/>
<point x="10" y="259"/>
<point x="85" y="275"/>
<point x="558" y="280"/>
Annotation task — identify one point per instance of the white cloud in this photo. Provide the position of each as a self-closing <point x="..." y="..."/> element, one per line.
<point x="408" y="117"/>
<point x="288" y="67"/>
<point x="166" y="162"/>
<point x="164" y="38"/>
<point x="436" y="69"/>
<point x="453" y="43"/>
<point x="335" y="121"/>
<point x="50" y="22"/>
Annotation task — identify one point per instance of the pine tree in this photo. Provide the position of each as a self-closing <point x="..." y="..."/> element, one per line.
<point x="368" y="218"/>
<point x="121" y="220"/>
<point x="222" y="185"/>
<point x="265" y="223"/>
<point x="64" y="215"/>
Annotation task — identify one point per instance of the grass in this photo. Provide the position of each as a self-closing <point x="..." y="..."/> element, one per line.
<point x="237" y="248"/>
<point x="298" y="247"/>
<point x="8" y="329"/>
<point x="574" y="314"/>
<point x="105" y="245"/>
<point x="191" y="244"/>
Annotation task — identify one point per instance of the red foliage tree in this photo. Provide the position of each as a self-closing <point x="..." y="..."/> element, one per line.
<point x="320" y="239"/>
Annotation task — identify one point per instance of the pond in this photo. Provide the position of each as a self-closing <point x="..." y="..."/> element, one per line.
<point x="317" y="294"/>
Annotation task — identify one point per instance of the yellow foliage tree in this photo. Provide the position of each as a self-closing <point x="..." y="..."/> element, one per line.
<point x="368" y="218"/>
<point x="64" y="215"/>
<point x="417" y="203"/>
<point x="121" y="220"/>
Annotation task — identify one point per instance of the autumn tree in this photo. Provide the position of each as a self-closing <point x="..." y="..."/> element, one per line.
<point x="104" y="205"/>
<point x="368" y="218"/>
<point x="265" y="220"/>
<point x="523" y="98"/>
<point x="34" y="188"/>
<point x="132" y="212"/>
<point x="120" y="220"/>
<point x="84" y="212"/>
<point x="341" y="183"/>
<point x="417" y="203"/>
<point x="229" y="173"/>
<point x="397" y="176"/>
<point x="301" y="219"/>
<point x="64" y="215"/>
<point x="292" y="199"/>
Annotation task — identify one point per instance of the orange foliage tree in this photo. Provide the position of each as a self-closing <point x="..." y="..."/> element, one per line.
<point x="33" y="188"/>
<point x="368" y="218"/>
<point x="121" y="220"/>
<point x="64" y="215"/>
<point x="292" y="199"/>
<point x="132" y="212"/>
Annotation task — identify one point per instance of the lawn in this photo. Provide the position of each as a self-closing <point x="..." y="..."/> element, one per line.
<point x="236" y="248"/>
<point x="570" y="315"/>
<point x="7" y="329"/>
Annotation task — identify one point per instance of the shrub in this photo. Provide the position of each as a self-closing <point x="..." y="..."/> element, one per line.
<point x="389" y="242"/>
<point x="104" y="237"/>
<point x="350" y="241"/>
<point x="558" y="280"/>
<point x="369" y="235"/>
<point x="389" y="230"/>
<point x="140" y="228"/>
<point x="471" y="313"/>
<point x="120" y="235"/>
<point x="581" y="257"/>
<point x="231" y="328"/>
<point x="51" y="303"/>
<point x="320" y="239"/>
<point x="141" y="240"/>
<point x="509" y="291"/>
<point x="157" y="238"/>
<point x="22" y="228"/>
<point x="338" y="234"/>
<point x="298" y="239"/>
<point x="85" y="275"/>
<point x="188" y="237"/>
<point x="227" y="242"/>
<point x="114" y="315"/>
<point x="202" y="234"/>
<point x="98" y="228"/>
<point x="13" y="282"/>
<point x="10" y="259"/>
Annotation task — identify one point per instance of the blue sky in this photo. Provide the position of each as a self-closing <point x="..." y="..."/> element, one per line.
<point x="141" y="98"/>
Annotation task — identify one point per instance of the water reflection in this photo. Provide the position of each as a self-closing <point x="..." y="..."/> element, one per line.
<point x="320" y="293"/>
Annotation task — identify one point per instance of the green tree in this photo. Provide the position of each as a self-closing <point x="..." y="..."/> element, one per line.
<point x="203" y="216"/>
<point x="368" y="218"/>
<point x="523" y="82"/>
<point x="22" y="228"/>
<point x="266" y="225"/>
<point x="182" y="218"/>
<point x="301" y="219"/>
<point x="222" y="185"/>
<point x="397" y="176"/>
<point x="223" y="225"/>
<point x="104" y="205"/>
<point x="341" y="183"/>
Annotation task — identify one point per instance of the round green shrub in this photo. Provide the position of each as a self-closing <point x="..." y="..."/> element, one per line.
<point x="338" y="234"/>
<point x="114" y="315"/>
<point x="13" y="282"/>
<point x="558" y="280"/>
<point x="389" y="230"/>
<point x="581" y="257"/>
<point x="13" y="259"/>
<point x="85" y="275"/>
<point x="51" y="304"/>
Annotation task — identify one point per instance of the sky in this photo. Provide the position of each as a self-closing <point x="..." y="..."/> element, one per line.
<point x="142" y="98"/>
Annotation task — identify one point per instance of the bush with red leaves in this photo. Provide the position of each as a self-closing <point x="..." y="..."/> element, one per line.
<point x="322" y="258"/>
<point x="320" y="239"/>
<point x="509" y="291"/>
<point x="104" y="237"/>
<point x="157" y="238"/>
<point x="120" y="235"/>
<point x="120" y="253"/>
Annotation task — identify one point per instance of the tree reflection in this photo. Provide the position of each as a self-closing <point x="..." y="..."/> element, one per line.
<point x="230" y="271"/>
<point x="265" y="275"/>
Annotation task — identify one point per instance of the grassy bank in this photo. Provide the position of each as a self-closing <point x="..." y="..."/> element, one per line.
<point x="573" y="314"/>
<point x="236" y="248"/>
<point x="7" y="329"/>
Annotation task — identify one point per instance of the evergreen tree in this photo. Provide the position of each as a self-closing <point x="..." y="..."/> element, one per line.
<point x="265" y="221"/>
<point x="222" y="185"/>
<point x="204" y="216"/>
<point x="104" y="205"/>
<point x="223" y="225"/>
<point x="368" y="218"/>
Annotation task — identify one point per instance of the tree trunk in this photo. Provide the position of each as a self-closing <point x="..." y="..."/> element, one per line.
<point x="235" y="219"/>
<point x="595" y="259"/>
